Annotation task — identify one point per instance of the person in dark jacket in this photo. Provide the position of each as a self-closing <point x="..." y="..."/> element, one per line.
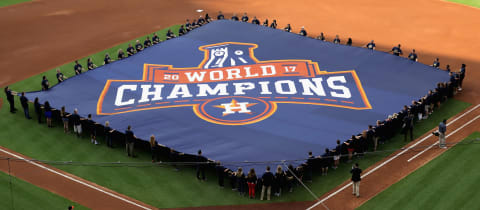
<point x="413" y="56"/>
<point x="288" y="28"/>
<point x="290" y="177"/>
<point x="220" y="173"/>
<point x="220" y="16"/>
<point x="267" y="181"/>
<point x="45" y="83"/>
<point x="279" y="181"/>
<point x="310" y="165"/>
<point x="371" y="45"/>
<point x="156" y="39"/>
<point x="130" y="50"/>
<point x="93" y="130"/>
<point x="64" y="116"/>
<point x="325" y="161"/>
<point x="120" y="54"/>
<point x="108" y="134"/>
<point x="130" y="141"/>
<point x="60" y="76"/>
<point x="265" y="23"/>
<point x="397" y="50"/>
<point x="77" y="68"/>
<point x="77" y="125"/>
<point x="174" y="155"/>
<point x="241" y="181"/>
<point x="48" y="114"/>
<point x="255" y="20"/>
<point x="38" y="109"/>
<point x="234" y="17"/>
<point x="273" y="24"/>
<point x="10" y="100"/>
<point x="321" y="37"/>
<point x="154" y="148"/>
<point x="107" y="59"/>
<point x="90" y="64"/>
<point x="303" y="32"/>
<point x="336" y="40"/>
<point x="147" y="42"/>
<point x="337" y="152"/>
<point x="356" y="178"/>
<point x="349" y="42"/>
<point x="436" y="63"/>
<point x="201" y="166"/>
<point x="462" y="76"/>
<point x="408" y="126"/>
<point x="244" y="17"/>
<point x="24" y="102"/>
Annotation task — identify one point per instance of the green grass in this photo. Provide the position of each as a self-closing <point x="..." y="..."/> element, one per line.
<point x="473" y="3"/>
<point x="29" y="196"/>
<point x="4" y="3"/>
<point x="450" y="181"/>
<point x="158" y="186"/>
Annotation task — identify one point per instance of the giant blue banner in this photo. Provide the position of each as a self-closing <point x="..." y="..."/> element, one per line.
<point x="243" y="92"/>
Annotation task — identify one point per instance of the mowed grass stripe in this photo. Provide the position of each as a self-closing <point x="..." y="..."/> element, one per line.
<point x="29" y="196"/>
<point x="450" y="181"/>
<point x="473" y="3"/>
<point x="5" y="3"/>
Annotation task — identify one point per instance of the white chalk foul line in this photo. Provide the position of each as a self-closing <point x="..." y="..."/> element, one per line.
<point x="389" y="160"/>
<point x="76" y="180"/>
<point x="429" y="147"/>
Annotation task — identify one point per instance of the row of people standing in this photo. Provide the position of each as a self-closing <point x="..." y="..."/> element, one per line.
<point x="249" y="183"/>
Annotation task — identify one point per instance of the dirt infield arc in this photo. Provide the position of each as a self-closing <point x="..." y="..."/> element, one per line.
<point x="48" y="33"/>
<point x="65" y="184"/>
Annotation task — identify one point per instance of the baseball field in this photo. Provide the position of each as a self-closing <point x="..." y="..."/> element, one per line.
<point x="65" y="170"/>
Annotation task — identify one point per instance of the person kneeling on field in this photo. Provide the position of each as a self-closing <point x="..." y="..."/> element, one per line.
<point x="303" y="32"/>
<point x="147" y="42"/>
<point x="107" y="59"/>
<point x="130" y="50"/>
<point x="170" y="34"/>
<point x="90" y="64"/>
<point x="155" y="38"/>
<point x="45" y="84"/>
<point x="60" y="76"/>
<point x="288" y="28"/>
<point x="181" y="31"/>
<point x="336" y="40"/>
<point x="120" y="54"/>
<point x="138" y="46"/>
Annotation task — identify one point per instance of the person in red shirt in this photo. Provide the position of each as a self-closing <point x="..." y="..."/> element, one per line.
<point x="251" y="182"/>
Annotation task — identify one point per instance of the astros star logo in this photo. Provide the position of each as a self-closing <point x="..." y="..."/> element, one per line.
<point x="234" y="106"/>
